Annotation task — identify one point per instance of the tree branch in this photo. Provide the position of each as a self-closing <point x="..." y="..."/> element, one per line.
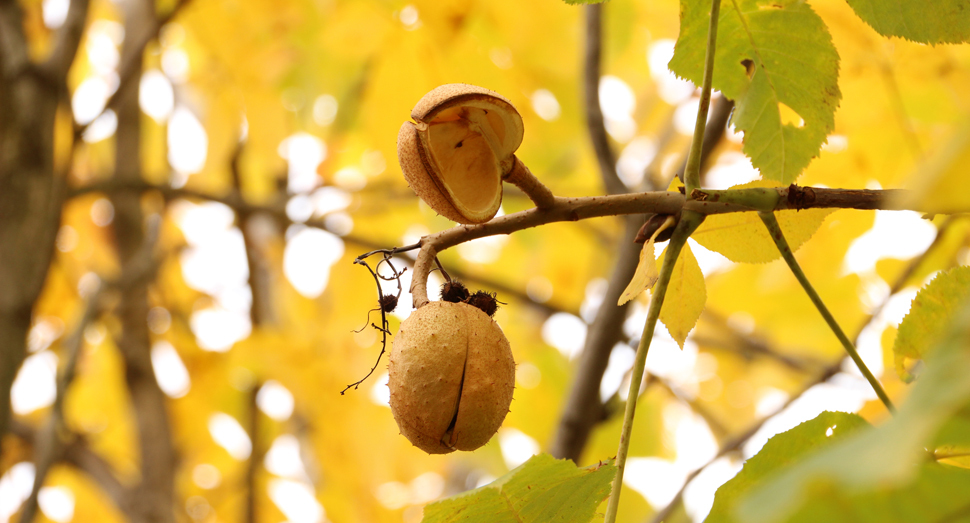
<point x="14" y="56"/>
<point x="583" y="408"/>
<point x="78" y="454"/>
<point x="749" y="345"/>
<point x="67" y="40"/>
<point x="48" y="445"/>
<point x="131" y="61"/>
<point x="255" y="456"/>
<point x="261" y="311"/>
<point x="592" y="59"/>
<point x="30" y="194"/>
<point x="156" y="490"/>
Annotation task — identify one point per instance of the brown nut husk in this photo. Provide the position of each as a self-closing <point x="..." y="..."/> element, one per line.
<point x="459" y="147"/>
<point x="451" y="377"/>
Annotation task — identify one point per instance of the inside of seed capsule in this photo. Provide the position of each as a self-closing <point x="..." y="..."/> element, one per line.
<point x="466" y="143"/>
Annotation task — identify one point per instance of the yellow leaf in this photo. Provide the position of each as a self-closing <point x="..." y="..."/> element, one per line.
<point x="742" y="238"/>
<point x="646" y="274"/>
<point x="686" y="295"/>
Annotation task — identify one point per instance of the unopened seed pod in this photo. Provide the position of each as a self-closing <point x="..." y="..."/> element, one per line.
<point x="459" y="147"/>
<point x="451" y="377"/>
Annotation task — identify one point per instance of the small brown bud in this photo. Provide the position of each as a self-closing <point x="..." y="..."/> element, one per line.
<point x="484" y="301"/>
<point x="651" y="225"/>
<point x="454" y="291"/>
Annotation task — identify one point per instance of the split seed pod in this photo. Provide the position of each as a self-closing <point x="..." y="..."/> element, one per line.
<point x="458" y="149"/>
<point x="451" y="377"/>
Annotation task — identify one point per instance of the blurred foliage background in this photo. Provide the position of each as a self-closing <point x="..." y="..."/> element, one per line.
<point x="265" y="158"/>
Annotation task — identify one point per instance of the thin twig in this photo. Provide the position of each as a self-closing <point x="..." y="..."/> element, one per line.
<point x="384" y="304"/>
<point x="749" y="345"/>
<point x="831" y="370"/>
<point x="255" y="455"/>
<point x="778" y="236"/>
<point x="692" y="170"/>
<point x="688" y="223"/>
<point x="441" y="269"/>
<point x="592" y="66"/>
<point x="713" y="132"/>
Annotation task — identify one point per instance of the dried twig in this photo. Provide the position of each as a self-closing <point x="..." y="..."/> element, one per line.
<point x="386" y="303"/>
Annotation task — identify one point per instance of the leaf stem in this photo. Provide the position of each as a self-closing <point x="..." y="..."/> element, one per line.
<point x="692" y="175"/>
<point x="779" y="238"/>
<point x="689" y="222"/>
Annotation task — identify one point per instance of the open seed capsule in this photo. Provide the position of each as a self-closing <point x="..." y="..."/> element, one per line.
<point x="459" y="147"/>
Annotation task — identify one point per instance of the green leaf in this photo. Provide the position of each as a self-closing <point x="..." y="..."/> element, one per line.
<point x="742" y="238"/>
<point x="936" y="22"/>
<point x="542" y="489"/>
<point x="883" y="474"/>
<point x="776" y="60"/>
<point x="781" y="451"/>
<point x="932" y="309"/>
<point x="685" y="298"/>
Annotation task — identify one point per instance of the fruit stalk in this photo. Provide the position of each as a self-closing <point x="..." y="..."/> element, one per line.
<point x="688" y="223"/>
<point x="522" y="177"/>
<point x="419" y="278"/>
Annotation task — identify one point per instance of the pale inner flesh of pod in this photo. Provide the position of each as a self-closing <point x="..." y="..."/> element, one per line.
<point x="464" y="150"/>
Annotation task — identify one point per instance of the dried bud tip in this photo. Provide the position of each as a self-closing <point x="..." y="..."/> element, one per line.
<point x="484" y="301"/>
<point x="654" y="222"/>
<point x="454" y="291"/>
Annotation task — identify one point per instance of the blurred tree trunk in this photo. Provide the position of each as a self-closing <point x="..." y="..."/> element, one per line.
<point x="154" y="499"/>
<point x="30" y="193"/>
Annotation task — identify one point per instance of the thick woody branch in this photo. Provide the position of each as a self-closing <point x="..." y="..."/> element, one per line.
<point x="157" y="455"/>
<point x="13" y="43"/>
<point x="583" y="409"/>
<point x="67" y="40"/>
